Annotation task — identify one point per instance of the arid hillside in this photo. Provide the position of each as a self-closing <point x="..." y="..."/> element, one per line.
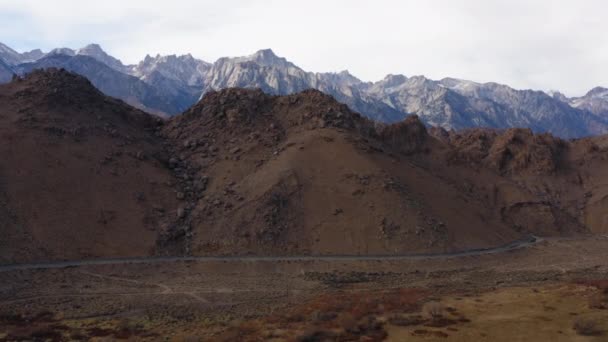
<point x="83" y="175"/>
<point x="537" y="183"/>
<point x="301" y="174"/>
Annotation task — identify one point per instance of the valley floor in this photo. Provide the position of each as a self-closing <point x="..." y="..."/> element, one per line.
<point x="554" y="290"/>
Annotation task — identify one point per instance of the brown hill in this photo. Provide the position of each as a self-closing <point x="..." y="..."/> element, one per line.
<point x="81" y="174"/>
<point x="243" y="172"/>
<point x="539" y="183"/>
<point x="302" y="174"/>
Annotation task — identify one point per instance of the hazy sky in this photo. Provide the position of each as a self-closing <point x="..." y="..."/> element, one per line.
<point x="538" y="44"/>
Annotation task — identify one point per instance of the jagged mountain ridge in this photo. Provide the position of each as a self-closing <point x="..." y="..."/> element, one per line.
<point x="12" y="57"/>
<point x="595" y="101"/>
<point x="112" y="82"/>
<point x="276" y="75"/>
<point x="95" y="51"/>
<point x="448" y="103"/>
<point x="185" y="69"/>
<point x="158" y="85"/>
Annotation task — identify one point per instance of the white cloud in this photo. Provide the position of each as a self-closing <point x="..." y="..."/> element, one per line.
<point x="528" y="44"/>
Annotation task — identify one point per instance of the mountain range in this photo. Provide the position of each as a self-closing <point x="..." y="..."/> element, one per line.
<point x="168" y="85"/>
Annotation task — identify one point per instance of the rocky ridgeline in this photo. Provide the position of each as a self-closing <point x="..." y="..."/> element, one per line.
<point x="314" y="109"/>
<point x="409" y="136"/>
<point x="508" y="152"/>
<point x="310" y="109"/>
<point x="58" y="87"/>
<point x="251" y="112"/>
<point x="80" y="102"/>
<point x="224" y="118"/>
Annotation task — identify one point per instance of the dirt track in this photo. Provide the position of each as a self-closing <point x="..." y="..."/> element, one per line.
<point x="532" y="240"/>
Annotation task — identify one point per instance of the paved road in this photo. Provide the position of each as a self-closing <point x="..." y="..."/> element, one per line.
<point x="530" y="241"/>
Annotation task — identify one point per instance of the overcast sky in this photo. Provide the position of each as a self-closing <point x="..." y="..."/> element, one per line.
<point x="538" y="44"/>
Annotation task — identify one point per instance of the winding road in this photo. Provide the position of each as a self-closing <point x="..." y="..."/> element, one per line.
<point x="519" y="244"/>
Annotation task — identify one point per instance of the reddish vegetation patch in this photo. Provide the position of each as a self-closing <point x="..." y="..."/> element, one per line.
<point x="45" y="326"/>
<point x="340" y="316"/>
<point x="360" y="304"/>
<point x="40" y="327"/>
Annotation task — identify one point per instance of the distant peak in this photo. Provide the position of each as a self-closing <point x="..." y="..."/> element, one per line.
<point x="93" y="46"/>
<point x="187" y="56"/>
<point x="266" y="57"/>
<point x="345" y="73"/>
<point x="266" y="53"/>
<point x="557" y="95"/>
<point x="95" y="51"/>
<point x="419" y="78"/>
<point x="92" y="49"/>
<point x="6" y="48"/>
<point x="391" y="80"/>
<point x="597" y="91"/>
<point x="62" y="51"/>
